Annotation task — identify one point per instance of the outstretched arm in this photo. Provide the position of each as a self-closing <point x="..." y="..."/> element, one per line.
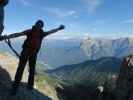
<point x="14" y="35"/>
<point x="26" y="32"/>
<point x="61" y="27"/>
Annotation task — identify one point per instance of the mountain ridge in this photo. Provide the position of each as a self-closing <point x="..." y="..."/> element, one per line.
<point x="98" y="48"/>
<point x="88" y="71"/>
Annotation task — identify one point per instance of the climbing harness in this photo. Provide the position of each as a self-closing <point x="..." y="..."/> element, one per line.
<point x="8" y="42"/>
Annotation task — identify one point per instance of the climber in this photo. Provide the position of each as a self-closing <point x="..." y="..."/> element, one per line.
<point x="3" y="3"/>
<point x="31" y="46"/>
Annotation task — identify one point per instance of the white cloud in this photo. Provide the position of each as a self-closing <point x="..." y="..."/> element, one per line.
<point x="92" y="5"/>
<point x="128" y="21"/>
<point x="61" y="13"/>
<point x="25" y="3"/>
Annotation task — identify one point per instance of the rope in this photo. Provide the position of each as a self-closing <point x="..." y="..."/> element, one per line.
<point x="8" y="42"/>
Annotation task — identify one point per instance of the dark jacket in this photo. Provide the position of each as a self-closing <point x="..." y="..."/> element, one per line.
<point x="34" y="39"/>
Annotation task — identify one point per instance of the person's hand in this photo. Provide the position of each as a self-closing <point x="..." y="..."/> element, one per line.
<point x="61" y="27"/>
<point x="4" y="36"/>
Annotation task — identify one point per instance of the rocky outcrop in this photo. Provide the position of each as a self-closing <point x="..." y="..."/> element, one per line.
<point x="124" y="89"/>
<point x="8" y="66"/>
<point x="6" y="75"/>
<point x="22" y="94"/>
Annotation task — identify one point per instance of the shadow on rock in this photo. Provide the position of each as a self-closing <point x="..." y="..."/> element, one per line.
<point x="78" y="92"/>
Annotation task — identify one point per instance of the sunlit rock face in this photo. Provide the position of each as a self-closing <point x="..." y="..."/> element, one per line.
<point x="96" y="48"/>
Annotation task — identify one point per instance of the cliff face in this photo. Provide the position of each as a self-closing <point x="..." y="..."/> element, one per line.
<point x="124" y="89"/>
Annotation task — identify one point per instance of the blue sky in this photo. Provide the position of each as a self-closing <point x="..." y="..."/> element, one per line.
<point x="98" y="18"/>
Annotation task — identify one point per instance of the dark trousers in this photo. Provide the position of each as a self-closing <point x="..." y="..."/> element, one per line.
<point x="31" y="57"/>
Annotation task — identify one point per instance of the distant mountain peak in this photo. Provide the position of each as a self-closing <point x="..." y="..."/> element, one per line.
<point x="97" y="48"/>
